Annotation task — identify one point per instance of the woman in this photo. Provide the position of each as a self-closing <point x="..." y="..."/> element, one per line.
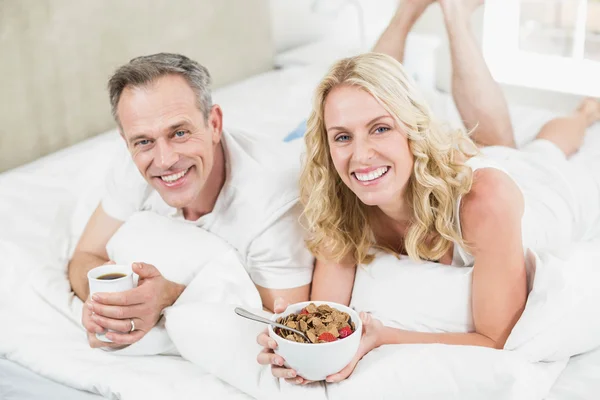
<point x="382" y="173"/>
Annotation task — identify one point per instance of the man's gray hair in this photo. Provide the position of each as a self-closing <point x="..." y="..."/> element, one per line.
<point x="144" y="70"/>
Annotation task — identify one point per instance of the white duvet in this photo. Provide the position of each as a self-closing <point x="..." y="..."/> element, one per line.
<point x="218" y="349"/>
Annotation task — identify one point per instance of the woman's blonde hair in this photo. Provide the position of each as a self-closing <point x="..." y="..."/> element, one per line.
<point x="339" y="223"/>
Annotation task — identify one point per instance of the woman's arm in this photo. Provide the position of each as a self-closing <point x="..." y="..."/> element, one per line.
<point x="389" y="335"/>
<point x="491" y="219"/>
<point x="491" y="223"/>
<point x="333" y="281"/>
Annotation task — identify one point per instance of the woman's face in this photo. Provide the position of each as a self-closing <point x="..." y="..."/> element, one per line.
<point x="369" y="151"/>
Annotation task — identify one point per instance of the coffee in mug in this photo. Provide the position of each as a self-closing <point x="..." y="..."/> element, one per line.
<point x="110" y="277"/>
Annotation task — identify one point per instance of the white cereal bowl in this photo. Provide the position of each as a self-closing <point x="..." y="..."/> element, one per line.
<point x="316" y="361"/>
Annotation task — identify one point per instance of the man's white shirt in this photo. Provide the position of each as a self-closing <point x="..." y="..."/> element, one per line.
<point x="257" y="211"/>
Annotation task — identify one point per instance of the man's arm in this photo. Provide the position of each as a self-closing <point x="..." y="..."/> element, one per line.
<point x="91" y="250"/>
<point x="279" y="262"/>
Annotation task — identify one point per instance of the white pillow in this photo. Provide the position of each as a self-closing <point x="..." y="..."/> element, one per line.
<point x="560" y="319"/>
<point x="181" y="251"/>
<point x="177" y="248"/>
<point x="424" y="297"/>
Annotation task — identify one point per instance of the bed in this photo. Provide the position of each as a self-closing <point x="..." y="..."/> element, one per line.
<point x="44" y="204"/>
<point x="280" y="101"/>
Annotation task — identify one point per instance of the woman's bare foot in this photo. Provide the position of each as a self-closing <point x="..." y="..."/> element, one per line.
<point x="459" y="8"/>
<point x="590" y="109"/>
<point x="569" y="131"/>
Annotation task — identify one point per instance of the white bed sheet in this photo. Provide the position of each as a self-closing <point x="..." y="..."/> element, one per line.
<point x="40" y="196"/>
<point x="19" y="383"/>
<point x="580" y="380"/>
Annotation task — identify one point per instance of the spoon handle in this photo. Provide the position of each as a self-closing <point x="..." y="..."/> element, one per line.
<point x="247" y="314"/>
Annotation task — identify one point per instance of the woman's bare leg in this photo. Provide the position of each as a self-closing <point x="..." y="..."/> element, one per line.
<point x="393" y="40"/>
<point x="568" y="132"/>
<point x="478" y="97"/>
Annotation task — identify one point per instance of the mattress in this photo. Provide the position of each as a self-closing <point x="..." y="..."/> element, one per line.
<point x="36" y="197"/>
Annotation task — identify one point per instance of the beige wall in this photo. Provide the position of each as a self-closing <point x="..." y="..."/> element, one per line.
<point x="56" y="56"/>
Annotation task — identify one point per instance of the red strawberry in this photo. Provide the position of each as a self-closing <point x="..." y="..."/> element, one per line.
<point x="327" y="337"/>
<point x="304" y="312"/>
<point x="345" y="331"/>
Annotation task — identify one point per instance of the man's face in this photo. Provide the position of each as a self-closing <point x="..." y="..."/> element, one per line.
<point x="170" y="142"/>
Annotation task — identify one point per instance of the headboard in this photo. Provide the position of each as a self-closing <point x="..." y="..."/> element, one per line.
<point x="57" y="55"/>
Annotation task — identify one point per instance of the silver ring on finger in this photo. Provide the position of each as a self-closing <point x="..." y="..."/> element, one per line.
<point x="132" y="325"/>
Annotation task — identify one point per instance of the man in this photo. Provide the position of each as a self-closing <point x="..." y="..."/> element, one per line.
<point x="183" y="165"/>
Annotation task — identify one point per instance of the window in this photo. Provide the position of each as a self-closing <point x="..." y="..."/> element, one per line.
<point x="547" y="44"/>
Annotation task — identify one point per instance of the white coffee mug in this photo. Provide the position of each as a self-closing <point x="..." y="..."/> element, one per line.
<point x="105" y="279"/>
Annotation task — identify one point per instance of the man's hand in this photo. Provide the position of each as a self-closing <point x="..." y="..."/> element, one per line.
<point x="92" y="328"/>
<point x="143" y="305"/>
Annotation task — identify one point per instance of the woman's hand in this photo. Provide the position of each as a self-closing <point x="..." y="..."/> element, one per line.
<point x="268" y="357"/>
<point x="371" y="339"/>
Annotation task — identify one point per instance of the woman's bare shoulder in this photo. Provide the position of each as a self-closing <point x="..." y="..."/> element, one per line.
<point x="494" y="199"/>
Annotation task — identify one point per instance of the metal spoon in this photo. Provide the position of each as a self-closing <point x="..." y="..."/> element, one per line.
<point x="247" y="314"/>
